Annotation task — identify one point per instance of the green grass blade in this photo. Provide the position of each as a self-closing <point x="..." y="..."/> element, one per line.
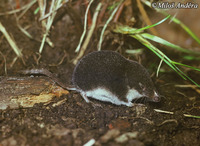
<point x="165" y="59"/>
<point x="11" y="41"/>
<point x="162" y="56"/>
<point x="142" y="38"/>
<point x="124" y="29"/>
<point x="153" y="25"/>
<point x="175" y="20"/>
<point x="166" y="43"/>
<point x="129" y="30"/>
<point x="186" y="75"/>
<point x="36" y="10"/>
<point x="157" y="52"/>
<point x="189" y="57"/>
<point x="191" y="116"/>
<point x="187" y="29"/>
<point x="106" y="24"/>
<point x="194" y="68"/>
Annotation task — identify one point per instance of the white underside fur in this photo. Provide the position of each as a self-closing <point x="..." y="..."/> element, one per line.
<point x="105" y="95"/>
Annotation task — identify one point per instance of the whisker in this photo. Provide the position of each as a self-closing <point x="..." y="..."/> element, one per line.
<point x="145" y="100"/>
<point x="135" y="100"/>
<point x="141" y="99"/>
<point x="162" y="96"/>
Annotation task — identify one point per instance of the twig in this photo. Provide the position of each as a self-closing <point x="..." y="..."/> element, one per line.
<point x="89" y="17"/>
<point x="102" y="13"/>
<point x="89" y="34"/>
<point x="162" y="111"/>
<point x="106" y="24"/>
<point x="18" y="24"/>
<point x="13" y="62"/>
<point x="61" y="61"/>
<point x="26" y="9"/>
<point x="118" y="13"/>
<point x="161" y="61"/>
<point x="148" y="121"/>
<point x="171" y="113"/>
<point x="145" y="17"/>
<point x="17" y="4"/>
<point x="189" y="86"/>
<point x="18" y="10"/>
<point x="47" y="15"/>
<point x="4" y="58"/>
<point x="168" y="121"/>
<point x="11" y="41"/>
<point x="24" y="31"/>
<point x="42" y="6"/>
<point x="37" y="59"/>
<point x="85" y="27"/>
<point x="185" y="86"/>
<point x="47" y="23"/>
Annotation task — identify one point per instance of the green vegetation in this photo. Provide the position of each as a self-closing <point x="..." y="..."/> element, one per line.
<point x="142" y="38"/>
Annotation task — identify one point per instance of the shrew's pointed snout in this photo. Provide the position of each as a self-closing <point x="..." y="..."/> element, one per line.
<point x="156" y="97"/>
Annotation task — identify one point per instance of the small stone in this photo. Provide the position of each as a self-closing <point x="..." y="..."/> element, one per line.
<point x="126" y="136"/>
<point x="111" y="134"/>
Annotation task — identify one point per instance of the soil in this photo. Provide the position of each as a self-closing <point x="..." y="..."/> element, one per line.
<point x="75" y="122"/>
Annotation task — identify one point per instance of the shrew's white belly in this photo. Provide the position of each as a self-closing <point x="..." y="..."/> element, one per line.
<point x="107" y="96"/>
